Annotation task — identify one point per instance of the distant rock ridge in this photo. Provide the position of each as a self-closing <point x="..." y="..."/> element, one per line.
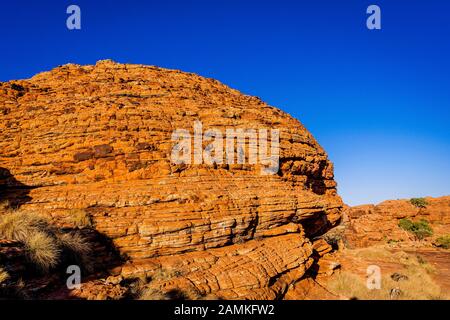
<point x="98" y="138"/>
<point x="370" y="224"/>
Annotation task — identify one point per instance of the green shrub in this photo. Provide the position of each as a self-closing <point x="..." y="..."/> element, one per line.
<point x="419" y="202"/>
<point x="405" y="224"/>
<point x="421" y="229"/>
<point x="443" y="242"/>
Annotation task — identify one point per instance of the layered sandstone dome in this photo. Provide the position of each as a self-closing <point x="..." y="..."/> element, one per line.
<point x="98" y="138"/>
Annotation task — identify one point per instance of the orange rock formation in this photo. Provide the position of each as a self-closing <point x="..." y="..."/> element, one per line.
<point x="98" y="138"/>
<point x="374" y="224"/>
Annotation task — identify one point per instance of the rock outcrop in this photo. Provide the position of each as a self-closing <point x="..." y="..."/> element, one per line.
<point x="98" y="139"/>
<point x="377" y="224"/>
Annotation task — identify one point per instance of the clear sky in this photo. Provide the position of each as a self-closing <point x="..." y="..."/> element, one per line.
<point x="378" y="101"/>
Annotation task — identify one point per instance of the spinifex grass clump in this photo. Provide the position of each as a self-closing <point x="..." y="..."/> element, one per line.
<point x="421" y="229"/>
<point x="45" y="245"/>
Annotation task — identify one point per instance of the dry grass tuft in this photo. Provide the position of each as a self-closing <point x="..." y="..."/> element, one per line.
<point x="75" y="243"/>
<point x="20" y="225"/>
<point x="152" y="294"/>
<point x="165" y="274"/>
<point x="78" y="249"/>
<point x="174" y="294"/>
<point x="36" y="234"/>
<point x="3" y="275"/>
<point x="80" y="218"/>
<point x="352" y="286"/>
<point x="5" y="206"/>
<point x="46" y="246"/>
<point x="42" y="251"/>
<point x="418" y="285"/>
<point x="159" y="278"/>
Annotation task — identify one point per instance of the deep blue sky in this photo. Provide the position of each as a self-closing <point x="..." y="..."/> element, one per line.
<point x="377" y="101"/>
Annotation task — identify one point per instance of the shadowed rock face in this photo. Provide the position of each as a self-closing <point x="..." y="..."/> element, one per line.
<point x="11" y="190"/>
<point x="99" y="138"/>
